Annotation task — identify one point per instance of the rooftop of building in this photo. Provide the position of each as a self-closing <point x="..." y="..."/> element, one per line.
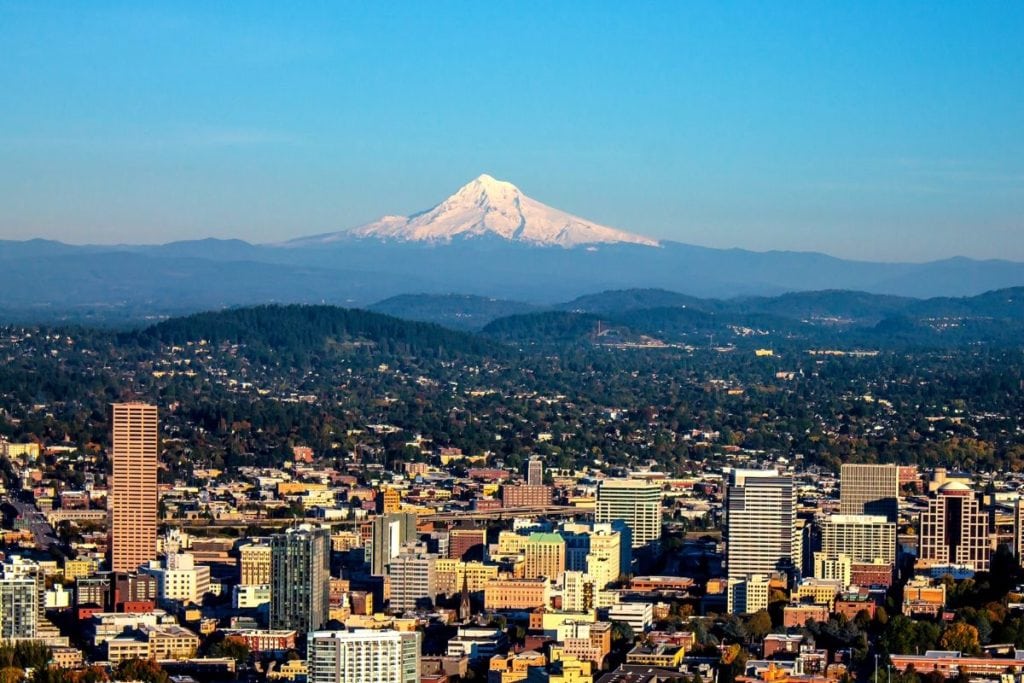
<point x="628" y="484"/>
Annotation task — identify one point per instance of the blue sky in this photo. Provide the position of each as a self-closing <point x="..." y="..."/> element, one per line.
<point x="878" y="130"/>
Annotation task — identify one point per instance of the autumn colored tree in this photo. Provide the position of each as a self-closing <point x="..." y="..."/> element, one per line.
<point x="11" y="674"/>
<point x="961" y="637"/>
<point x="92" y="674"/>
<point x="145" y="670"/>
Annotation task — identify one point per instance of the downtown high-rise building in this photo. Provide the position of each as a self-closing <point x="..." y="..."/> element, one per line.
<point x="132" y="492"/>
<point x="601" y="550"/>
<point x="535" y="472"/>
<point x="761" y="532"/>
<point x="22" y="599"/>
<point x="604" y="562"/>
<point x="955" y="530"/>
<point x="179" y="578"/>
<point x="544" y="556"/>
<point x="635" y="502"/>
<point x="862" y="538"/>
<point x="858" y="549"/>
<point x="413" y="581"/>
<point x="578" y="590"/>
<point x="467" y="544"/>
<point x="379" y="656"/>
<point x="19" y="608"/>
<point x="300" y="574"/>
<point x="389" y="533"/>
<point x="1018" y="530"/>
<point x="254" y="564"/>
<point x="870" y="490"/>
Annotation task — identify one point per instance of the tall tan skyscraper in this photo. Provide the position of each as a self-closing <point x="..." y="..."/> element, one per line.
<point x="544" y="555"/>
<point x="132" y="492"/>
<point x="870" y="490"/>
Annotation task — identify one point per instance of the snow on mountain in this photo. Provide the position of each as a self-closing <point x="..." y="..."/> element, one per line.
<point x="486" y="206"/>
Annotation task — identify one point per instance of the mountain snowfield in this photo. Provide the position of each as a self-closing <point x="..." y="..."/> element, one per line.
<point x="486" y="206"/>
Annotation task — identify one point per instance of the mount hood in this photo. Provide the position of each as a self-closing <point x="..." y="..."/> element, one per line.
<point x="486" y="207"/>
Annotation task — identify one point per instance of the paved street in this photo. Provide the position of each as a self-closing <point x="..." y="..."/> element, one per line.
<point x="33" y="520"/>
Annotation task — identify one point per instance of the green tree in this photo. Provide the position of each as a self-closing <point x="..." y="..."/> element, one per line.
<point x="758" y="624"/>
<point x="234" y="648"/>
<point x="48" y="674"/>
<point x="622" y="632"/>
<point x="908" y="676"/>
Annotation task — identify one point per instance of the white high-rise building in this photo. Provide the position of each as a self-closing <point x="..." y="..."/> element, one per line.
<point x="179" y="578"/>
<point x="19" y="608"/>
<point x="748" y="593"/>
<point x="635" y="502"/>
<point x="22" y="598"/>
<point x="761" y="532"/>
<point x="360" y="656"/>
<point x="761" y="523"/>
<point x="578" y="589"/>
<point x="604" y="561"/>
<point x="863" y="538"/>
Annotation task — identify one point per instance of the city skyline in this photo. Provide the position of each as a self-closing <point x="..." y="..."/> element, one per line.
<point x="528" y="343"/>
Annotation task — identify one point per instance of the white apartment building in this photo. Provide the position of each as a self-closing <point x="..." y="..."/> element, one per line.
<point x="377" y="656"/>
<point x="862" y="538"/>
<point x="635" y="502"/>
<point x="179" y="578"/>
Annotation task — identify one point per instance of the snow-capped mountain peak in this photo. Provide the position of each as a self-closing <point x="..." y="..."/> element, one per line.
<point x="487" y="206"/>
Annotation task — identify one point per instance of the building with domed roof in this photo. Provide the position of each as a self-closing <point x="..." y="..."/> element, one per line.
<point x="954" y="529"/>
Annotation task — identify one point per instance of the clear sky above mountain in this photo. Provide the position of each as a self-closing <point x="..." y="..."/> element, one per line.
<point x="880" y="130"/>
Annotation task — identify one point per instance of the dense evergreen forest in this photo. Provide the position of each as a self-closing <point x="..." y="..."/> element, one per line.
<point x="297" y="331"/>
<point x="243" y="386"/>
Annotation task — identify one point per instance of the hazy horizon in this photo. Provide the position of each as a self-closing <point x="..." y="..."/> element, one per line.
<point x="872" y="131"/>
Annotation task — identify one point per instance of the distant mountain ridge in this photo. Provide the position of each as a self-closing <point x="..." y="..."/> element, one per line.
<point x="300" y="333"/>
<point x="487" y="240"/>
<point x="840" y="319"/>
<point x="825" y="307"/>
<point x="456" y="311"/>
<point x="45" y="280"/>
